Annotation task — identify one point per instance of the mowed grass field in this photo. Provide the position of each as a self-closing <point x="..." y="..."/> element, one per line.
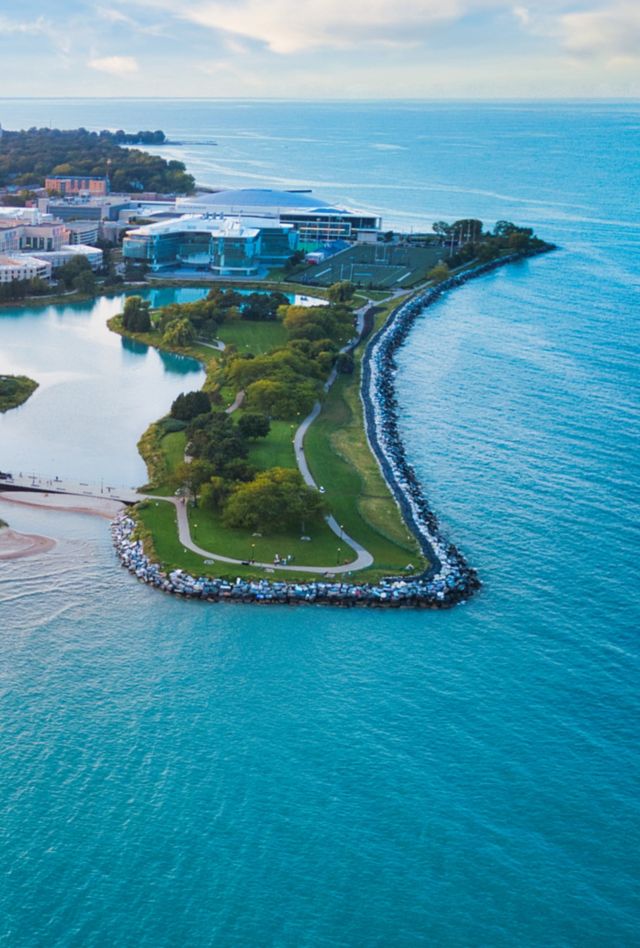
<point x="385" y="266"/>
<point x="253" y="336"/>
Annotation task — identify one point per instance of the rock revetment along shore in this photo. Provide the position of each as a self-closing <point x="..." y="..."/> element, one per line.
<point x="449" y="579"/>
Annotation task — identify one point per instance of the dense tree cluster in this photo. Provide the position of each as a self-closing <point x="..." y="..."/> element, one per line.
<point x="262" y="306"/>
<point x="136" y="316"/>
<point x="215" y="438"/>
<point x="466" y="241"/>
<point x="277" y="499"/>
<point x="134" y="138"/>
<point x="188" y="406"/>
<point x="20" y="289"/>
<point x="28" y="156"/>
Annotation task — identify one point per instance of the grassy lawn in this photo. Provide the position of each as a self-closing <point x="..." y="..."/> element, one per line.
<point x="253" y="336"/>
<point x="276" y="450"/>
<point x="340" y="460"/>
<point x="324" y="548"/>
<point x="160" y="532"/>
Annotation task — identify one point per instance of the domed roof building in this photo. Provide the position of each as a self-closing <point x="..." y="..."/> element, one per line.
<point x="315" y="220"/>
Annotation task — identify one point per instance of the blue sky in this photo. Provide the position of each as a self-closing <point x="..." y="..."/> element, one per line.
<point x="322" y="48"/>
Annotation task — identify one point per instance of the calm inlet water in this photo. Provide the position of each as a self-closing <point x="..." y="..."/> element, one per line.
<point x="97" y="392"/>
<point x="176" y="774"/>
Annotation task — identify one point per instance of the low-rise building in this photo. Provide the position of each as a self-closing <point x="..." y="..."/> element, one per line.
<point x="226" y="245"/>
<point x="57" y="258"/>
<point x="83" y="232"/>
<point x="23" y="267"/>
<point x="77" y="184"/>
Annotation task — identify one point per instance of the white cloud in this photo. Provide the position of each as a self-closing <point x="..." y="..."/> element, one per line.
<point x="39" y="25"/>
<point x="291" y="26"/>
<point x="610" y="32"/>
<point x="120" y="66"/>
<point x="522" y="15"/>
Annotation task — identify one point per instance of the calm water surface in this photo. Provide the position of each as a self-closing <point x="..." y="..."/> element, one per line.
<point x="175" y="774"/>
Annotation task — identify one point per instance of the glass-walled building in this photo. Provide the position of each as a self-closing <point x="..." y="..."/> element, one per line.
<point x="226" y="245"/>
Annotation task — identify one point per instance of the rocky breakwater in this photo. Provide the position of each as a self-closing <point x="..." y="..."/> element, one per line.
<point x="435" y="592"/>
<point x="449" y="569"/>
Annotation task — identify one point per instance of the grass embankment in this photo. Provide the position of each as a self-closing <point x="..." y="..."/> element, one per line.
<point x="341" y="461"/>
<point x="339" y="458"/>
<point x="15" y="390"/>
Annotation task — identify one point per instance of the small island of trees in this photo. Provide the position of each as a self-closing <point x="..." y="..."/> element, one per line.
<point x="15" y="390"/>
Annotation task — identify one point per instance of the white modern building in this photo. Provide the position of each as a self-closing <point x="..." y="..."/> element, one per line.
<point x="57" y="258"/>
<point x="23" y="267"/>
<point x="228" y="246"/>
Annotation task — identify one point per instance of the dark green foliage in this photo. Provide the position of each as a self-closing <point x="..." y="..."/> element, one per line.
<point x="85" y="282"/>
<point x="262" y="306"/>
<point x="345" y="363"/>
<point x="136" y="317"/>
<point x="188" y="406"/>
<point x="466" y="241"/>
<point x="294" y="261"/>
<point x="170" y="425"/>
<point x="254" y="424"/>
<point x="19" y="289"/>
<point x="215" y="438"/>
<point x="71" y="270"/>
<point x="277" y="499"/>
<point x="14" y="390"/>
<point x="341" y="292"/>
<point x="27" y="157"/>
<point x="134" y="138"/>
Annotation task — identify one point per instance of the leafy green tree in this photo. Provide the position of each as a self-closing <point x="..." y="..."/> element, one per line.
<point x="189" y="405"/>
<point x="180" y="333"/>
<point x="439" y="273"/>
<point x="85" y="282"/>
<point x="345" y="363"/>
<point x="192" y="475"/>
<point x="275" y="500"/>
<point x="136" y="316"/>
<point x="67" y="273"/>
<point x="214" y="493"/>
<point x="254" y="424"/>
<point x="281" y="399"/>
<point x="341" y="292"/>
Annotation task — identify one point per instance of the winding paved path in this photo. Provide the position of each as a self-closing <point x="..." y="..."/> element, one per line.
<point x="363" y="558"/>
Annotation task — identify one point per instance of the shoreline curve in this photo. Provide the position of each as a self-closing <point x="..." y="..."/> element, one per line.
<point x="449" y="580"/>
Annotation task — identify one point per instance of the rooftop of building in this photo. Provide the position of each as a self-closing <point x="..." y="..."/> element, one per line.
<point x="19" y="260"/>
<point x="214" y="224"/>
<point x="266" y="198"/>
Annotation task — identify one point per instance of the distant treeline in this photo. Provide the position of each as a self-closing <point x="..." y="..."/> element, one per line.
<point x="134" y="138"/>
<point x="28" y="156"/>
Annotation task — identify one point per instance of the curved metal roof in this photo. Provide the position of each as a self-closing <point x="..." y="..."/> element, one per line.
<point x="264" y="197"/>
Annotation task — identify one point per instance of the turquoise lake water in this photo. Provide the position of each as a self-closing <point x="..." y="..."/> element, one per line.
<point x="178" y="774"/>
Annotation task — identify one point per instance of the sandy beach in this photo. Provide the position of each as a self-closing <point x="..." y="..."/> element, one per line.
<point x="14" y="545"/>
